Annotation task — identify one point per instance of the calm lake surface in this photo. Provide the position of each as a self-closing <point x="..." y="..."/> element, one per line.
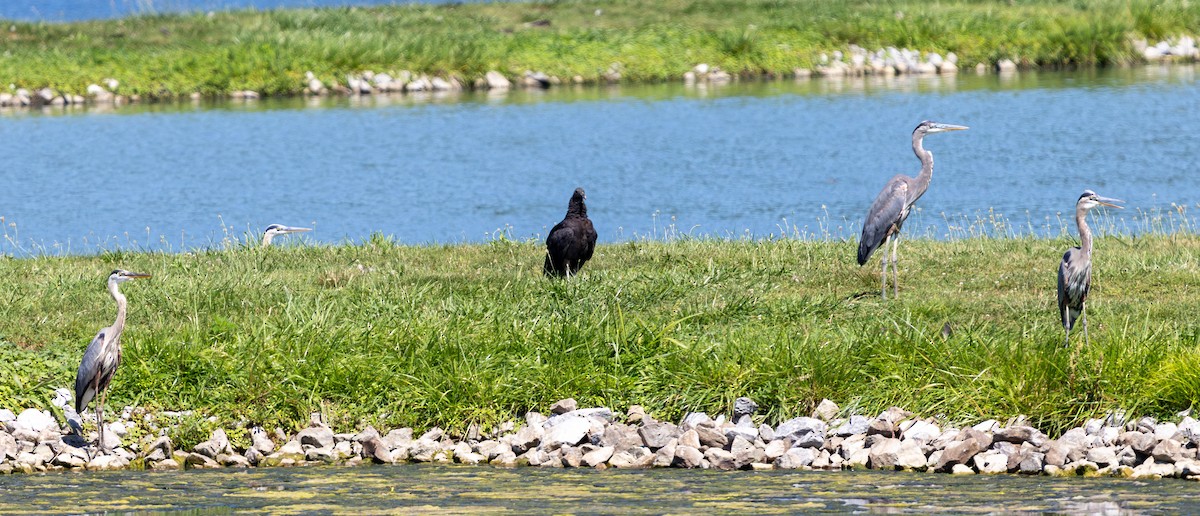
<point x="451" y="489"/>
<point x="753" y="159"/>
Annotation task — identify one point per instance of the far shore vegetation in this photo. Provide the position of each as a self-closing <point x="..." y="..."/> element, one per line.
<point x="398" y="335"/>
<point x="174" y="55"/>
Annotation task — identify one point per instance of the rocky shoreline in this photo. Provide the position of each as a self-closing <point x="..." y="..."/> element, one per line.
<point x="855" y="61"/>
<point x="572" y="437"/>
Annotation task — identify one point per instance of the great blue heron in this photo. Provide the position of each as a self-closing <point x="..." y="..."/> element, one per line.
<point x="571" y="242"/>
<point x="103" y="355"/>
<point x="1075" y="272"/>
<point x="279" y="229"/>
<point x="893" y="204"/>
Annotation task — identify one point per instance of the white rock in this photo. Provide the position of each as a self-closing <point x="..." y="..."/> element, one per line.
<point x="921" y="431"/>
<point x="291" y="447"/>
<point x="598" y="456"/>
<point x="990" y="425"/>
<point x="1104" y="456"/>
<point x="381" y="79"/>
<point x="804" y="431"/>
<point x="910" y="456"/>
<point x="497" y="81"/>
<point x="107" y="462"/>
<point x="1187" y="468"/>
<point x="315" y="85"/>
<point x="419" y="84"/>
<point x="961" y="469"/>
<point x="796" y="458"/>
<point x="1165" y="430"/>
<point x="858" y="459"/>
<point x="35" y="420"/>
<point x="826" y="410"/>
<point x="991" y="462"/>
<point x="567" y="432"/>
<point x="1109" y="434"/>
<point x="1151" y="469"/>
<point x="775" y="449"/>
<point x="1190" y="429"/>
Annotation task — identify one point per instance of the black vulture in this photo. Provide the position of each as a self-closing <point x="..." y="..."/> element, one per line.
<point x="571" y="242"/>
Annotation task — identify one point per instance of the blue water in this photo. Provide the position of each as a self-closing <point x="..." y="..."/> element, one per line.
<point x="74" y="10"/>
<point x="756" y="159"/>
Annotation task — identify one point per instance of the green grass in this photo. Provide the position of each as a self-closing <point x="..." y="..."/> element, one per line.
<point x="270" y="51"/>
<point x="449" y="335"/>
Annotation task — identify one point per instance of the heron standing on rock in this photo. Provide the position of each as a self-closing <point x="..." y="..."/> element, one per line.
<point x="103" y="355"/>
<point x="1075" y="272"/>
<point x="279" y="229"/>
<point x="892" y="206"/>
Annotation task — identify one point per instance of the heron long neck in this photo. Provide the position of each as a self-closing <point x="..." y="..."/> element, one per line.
<point x="926" y="174"/>
<point x="117" y="296"/>
<point x="267" y="238"/>
<point x="1085" y="233"/>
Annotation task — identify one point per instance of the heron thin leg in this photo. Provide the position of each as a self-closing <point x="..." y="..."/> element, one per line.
<point x="895" y="270"/>
<point x="100" y="419"/>
<point x="883" y="274"/>
<point x="1083" y="315"/>
<point x="1066" y="322"/>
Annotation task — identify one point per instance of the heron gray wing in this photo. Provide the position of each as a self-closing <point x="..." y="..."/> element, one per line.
<point x="1074" y="280"/>
<point x="887" y="211"/>
<point x="86" y="379"/>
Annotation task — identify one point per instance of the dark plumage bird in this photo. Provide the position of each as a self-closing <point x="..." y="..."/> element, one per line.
<point x="1075" y="272"/>
<point x="891" y="207"/>
<point x="571" y="242"/>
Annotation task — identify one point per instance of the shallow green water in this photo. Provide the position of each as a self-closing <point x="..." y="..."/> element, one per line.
<point x="456" y="489"/>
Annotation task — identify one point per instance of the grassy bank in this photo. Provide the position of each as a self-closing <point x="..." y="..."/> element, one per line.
<point x="402" y="335"/>
<point x="651" y="40"/>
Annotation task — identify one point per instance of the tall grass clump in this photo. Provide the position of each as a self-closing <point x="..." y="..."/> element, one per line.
<point x="393" y="335"/>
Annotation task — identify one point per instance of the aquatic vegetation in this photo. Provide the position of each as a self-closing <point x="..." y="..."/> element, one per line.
<point x="422" y="488"/>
